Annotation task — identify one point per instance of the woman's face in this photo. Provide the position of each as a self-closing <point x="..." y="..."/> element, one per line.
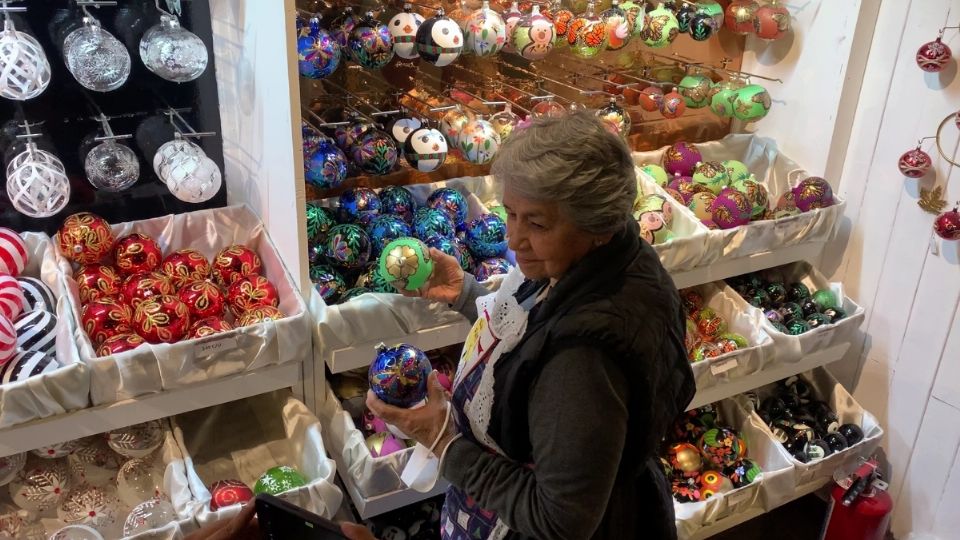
<point x="547" y="242"/>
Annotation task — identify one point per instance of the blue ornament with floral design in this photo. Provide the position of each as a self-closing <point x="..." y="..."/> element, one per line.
<point x="318" y="52"/>
<point x="326" y="167"/>
<point x="429" y="222"/>
<point x="397" y="200"/>
<point x="384" y="228"/>
<point x="487" y="268"/>
<point x="375" y="152"/>
<point x="356" y="203"/>
<point x="311" y="138"/>
<point x="398" y="375"/>
<point x="451" y="247"/>
<point x="343" y="26"/>
<point x="370" y="43"/>
<point x="328" y="282"/>
<point x="319" y="221"/>
<point x="451" y="202"/>
<point x="347" y="246"/>
<point x="487" y="236"/>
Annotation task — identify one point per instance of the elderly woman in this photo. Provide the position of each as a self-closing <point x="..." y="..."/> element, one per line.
<point x="574" y="368"/>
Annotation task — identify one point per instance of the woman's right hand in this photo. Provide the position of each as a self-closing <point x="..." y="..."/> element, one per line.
<point x="445" y="283"/>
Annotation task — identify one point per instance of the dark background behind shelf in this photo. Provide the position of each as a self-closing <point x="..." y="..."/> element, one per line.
<point x="65" y="110"/>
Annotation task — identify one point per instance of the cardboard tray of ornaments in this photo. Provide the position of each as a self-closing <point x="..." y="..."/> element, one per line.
<point x="779" y="174"/>
<point x="241" y="440"/>
<point x="373" y="317"/>
<point x="62" y="384"/>
<point x="151" y="368"/>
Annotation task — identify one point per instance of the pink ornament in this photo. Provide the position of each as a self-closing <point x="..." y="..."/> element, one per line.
<point x="915" y="163"/>
<point x="681" y="158"/>
<point x="12" y="301"/>
<point x="13" y="252"/>
<point x="947" y="225"/>
<point x="933" y="56"/>
<point x="730" y="209"/>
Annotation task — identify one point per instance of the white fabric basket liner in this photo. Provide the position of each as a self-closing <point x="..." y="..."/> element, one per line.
<point x="777" y="173"/>
<point x="64" y="389"/>
<point x="742" y="321"/>
<point x="382" y="316"/>
<point x="777" y="475"/>
<point x="787" y="348"/>
<point x="692" y="245"/>
<point x="805" y="475"/>
<point x="241" y="440"/>
<point x="155" y="368"/>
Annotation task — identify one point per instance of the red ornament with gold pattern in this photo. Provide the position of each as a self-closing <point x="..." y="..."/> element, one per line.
<point x="209" y="326"/>
<point x="184" y="266"/>
<point x="120" y="343"/>
<point x="85" y="238"/>
<point x="105" y="318"/>
<point x="234" y="262"/>
<point x="139" y="287"/>
<point x="203" y="299"/>
<point x="162" y="319"/>
<point x="259" y="315"/>
<point x="250" y="292"/>
<point x="947" y="225"/>
<point x="95" y="281"/>
<point x="915" y="163"/>
<point x="933" y="56"/>
<point x="771" y="21"/>
<point x="135" y="253"/>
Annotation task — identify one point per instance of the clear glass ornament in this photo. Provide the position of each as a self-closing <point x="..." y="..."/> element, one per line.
<point x="175" y="150"/>
<point x="111" y="166"/>
<point x="96" y="59"/>
<point x="94" y="463"/>
<point x="76" y="532"/>
<point x="139" y="480"/>
<point x="90" y="506"/>
<point x="24" y="68"/>
<point x="40" y="485"/>
<point x="10" y="466"/>
<point x="194" y="181"/>
<point x="136" y="441"/>
<point x="148" y="515"/>
<point x="173" y="52"/>
<point x="37" y="184"/>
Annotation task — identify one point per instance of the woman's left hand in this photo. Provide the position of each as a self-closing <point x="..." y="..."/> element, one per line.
<point x="422" y="424"/>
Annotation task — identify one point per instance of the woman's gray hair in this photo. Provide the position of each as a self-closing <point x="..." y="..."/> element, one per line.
<point x="577" y="162"/>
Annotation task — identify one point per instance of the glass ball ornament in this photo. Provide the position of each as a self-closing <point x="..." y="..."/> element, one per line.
<point x="41" y="484"/>
<point x="94" y="462"/>
<point x="813" y="193"/>
<point x="139" y="480"/>
<point x="587" y="35"/>
<point x="701" y="27"/>
<point x="175" y="150"/>
<point x="451" y="247"/>
<point x="425" y="149"/>
<point x="318" y="52"/>
<point x="405" y="263"/>
<point x="914" y="163"/>
<point x="398" y="375"/>
<point x="650" y="98"/>
<point x="730" y="209"/>
<point x="111" y="166"/>
<point x="484" y="32"/>
<point x="451" y="202"/>
<point x="70" y="532"/>
<point x="695" y="89"/>
<point x="660" y="28"/>
<point x="342" y="26"/>
<point x="326" y="166"/>
<point x="504" y="122"/>
<point x="561" y="25"/>
<point x="228" y="492"/>
<point x="752" y="102"/>
<point x="947" y="225"/>
<point x="385" y="228"/>
<point x="771" y="21"/>
<point x="136" y="441"/>
<point x="616" y="116"/>
<point x="96" y="59"/>
<point x="148" y="515"/>
<point x="548" y="108"/>
<point x="485" y="269"/>
<point x="10" y="466"/>
<point x="533" y="35"/>
<point x="673" y="105"/>
<point x="37" y="184"/>
<point x="684" y="15"/>
<point x="277" y="480"/>
<point x="347" y="246"/>
<point x="428" y="222"/>
<point x="193" y="180"/>
<point x="328" y="282"/>
<point x="347" y="136"/>
<point x="370" y="43"/>
<point x="721" y="98"/>
<point x="85" y="238"/>
<point x="24" y="68"/>
<point x="90" y="506"/>
<point x="487" y="236"/>
<point x="739" y="16"/>
<point x="453" y="122"/>
<point x="403" y="28"/>
<point x="401" y="127"/>
<point x="172" y="52"/>
<point x="375" y="153"/>
<point x="714" y="10"/>
<point x="618" y="31"/>
<point x="358" y="205"/>
<point x="399" y="201"/>
<point x="479" y="142"/>
<point x="439" y="40"/>
<point x="510" y="18"/>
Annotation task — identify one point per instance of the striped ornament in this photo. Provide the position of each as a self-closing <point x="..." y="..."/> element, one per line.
<point x="39" y="297"/>
<point x="8" y="340"/>
<point x="13" y="252"/>
<point x="36" y="331"/>
<point x="12" y="301"/>
<point x="27" y="364"/>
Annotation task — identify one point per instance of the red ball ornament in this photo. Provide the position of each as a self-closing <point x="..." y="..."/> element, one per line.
<point x="260" y="314"/>
<point x="184" y="266"/>
<point x="739" y="16"/>
<point x="13" y="252"/>
<point x="85" y="238"/>
<point x="12" y="301"/>
<point x="251" y="291"/>
<point x="139" y="287"/>
<point x="162" y="319"/>
<point x="771" y="21"/>
<point x="96" y="281"/>
<point x="650" y="98"/>
<point x="673" y="105"/>
<point x="203" y="299"/>
<point x="120" y="343"/>
<point x="227" y="493"/>
<point x="933" y="56"/>
<point x="915" y="163"/>
<point x="614" y="80"/>
<point x="136" y="253"/>
<point x="105" y="318"/>
<point x="947" y="225"/>
<point x="234" y="262"/>
<point x="208" y="327"/>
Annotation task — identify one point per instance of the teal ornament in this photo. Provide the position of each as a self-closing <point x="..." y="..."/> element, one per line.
<point x="278" y="480"/>
<point x="405" y="263"/>
<point x="712" y="175"/>
<point x="795" y="327"/>
<point x="326" y="166"/>
<point x="347" y="246"/>
<point x="798" y="292"/>
<point x="370" y="43"/>
<point x="328" y="282"/>
<point x="385" y="228"/>
<point x="397" y="200"/>
<point x="451" y="202"/>
<point x="370" y="279"/>
<point x="354" y="205"/>
<point x="487" y="268"/>
<point x="398" y="375"/>
<point x="375" y="153"/>
<point x="353" y="293"/>
<point x="425" y="149"/>
<point x="318" y="53"/>
<point x="451" y="247"/>
<point x="736" y="170"/>
<point x="487" y="236"/>
<point x="319" y="221"/>
<point x="701" y="27"/>
<point x="428" y="222"/>
<point x="825" y="298"/>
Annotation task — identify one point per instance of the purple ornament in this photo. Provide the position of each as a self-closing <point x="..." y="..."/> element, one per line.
<point x="774" y="316"/>
<point x="318" y="52"/>
<point x="730" y="209"/>
<point x="347" y="136"/>
<point x="397" y="200"/>
<point x="487" y="236"/>
<point x="487" y="268"/>
<point x="357" y="202"/>
<point x="681" y="158"/>
<point x="398" y="375"/>
<point x="813" y="193"/>
<point x="451" y="202"/>
<point x="326" y="166"/>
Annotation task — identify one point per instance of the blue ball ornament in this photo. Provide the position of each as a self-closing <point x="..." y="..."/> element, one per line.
<point x="318" y="52"/>
<point x="487" y="268"/>
<point x="311" y="138"/>
<point x="328" y="282"/>
<point x="429" y="222"/>
<point x="356" y="203"/>
<point x="398" y="375"/>
<point x="347" y="246"/>
<point x="451" y="202"/>
<point x="487" y="236"/>
<point x="326" y="166"/>
<point x="397" y="200"/>
<point x="370" y="43"/>
<point x="384" y="228"/>
<point x="451" y="247"/>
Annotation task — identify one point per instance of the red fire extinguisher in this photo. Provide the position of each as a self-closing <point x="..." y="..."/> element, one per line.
<point x="860" y="507"/>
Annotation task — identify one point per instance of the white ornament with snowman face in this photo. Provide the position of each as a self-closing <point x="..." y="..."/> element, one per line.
<point x="439" y="40"/>
<point x="425" y="149"/>
<point x="403" y="27"/>
<point x="403" y="127"/>
<point x="479" y="141"/>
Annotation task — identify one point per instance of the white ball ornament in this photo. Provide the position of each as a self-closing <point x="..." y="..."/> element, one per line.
<point x="13" y="252"/>
<point x="96" y="59"/>
<point x="111" y="166"/>
<point x="479" y="141"/>
<point x="41" y="484"/>
<point x="172" y="52"/>
<point x="403" y="27"/>
<point x="37" y="184"/>
<point x="24" y="68"/>
<point x="484" y="32"/>
<point x="533" y="35"/>
<point x="439" y="40"/>
<point x="425" y="149"/>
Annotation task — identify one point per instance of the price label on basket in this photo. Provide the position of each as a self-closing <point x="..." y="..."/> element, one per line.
<point x="723" y="366"/>
<point x="822" y="337"/>
<point x="736" y="497"/>
<point x="214" y="346"/>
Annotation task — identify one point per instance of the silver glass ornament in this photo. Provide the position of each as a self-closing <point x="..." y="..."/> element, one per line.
<point x="173" y="52"/>
<point x="194" y="181"/>
<point x="37" y="184"/>
<point x="175" y="150"/>
<point x="111" y="166"/>
<point x="24" y="68"/>
<point x="96" y="59"/>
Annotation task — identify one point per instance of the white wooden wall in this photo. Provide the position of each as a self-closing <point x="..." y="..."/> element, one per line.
<point x="907" y="278"/>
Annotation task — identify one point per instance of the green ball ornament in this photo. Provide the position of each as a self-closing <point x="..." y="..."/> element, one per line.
<point x="660" y="28"/>
<point x="736" y="170"/>
<point x="714" y="10"/>
<point x="499" y="211"/>
<point x="791" y="310"/>
<point x="634" y="13"/>
<point x="711" y="175"/>
<point x="319" y="221"/>
<point x="658" y="173"/>
<point x="835" y="314"/>
<point x="795" y="327"/>
<point x="721" y="98"/>
<point x="752" y="102"/>
<point x="825" y="298"/>
<point x="797" y="292"/>
<point x="817" y="320"/>
<point x="695" y="90"/>
<point x="741" y="341"/>
<point x="654" y="203"/>
<point x="278" y="480"/>
<point x="756" y="194"/>
<point x="405" y="263"/>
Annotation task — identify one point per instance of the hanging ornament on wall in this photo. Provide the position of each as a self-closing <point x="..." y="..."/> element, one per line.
<point x="635" y="13"/>
<point x="375" y="153"/>
<point x="172" y="52"/>
<point x="96" y="59"/>
<point x="111" y="166"/>
<point x="533" y="35"/>
<point x="932" y="57"/>
<point x="453" y="122"/>
<point x="915" y="163"/>
<point x="504" y="122"/>
<point x="722" y="95"/>
<point x="660" y="28"/>
<point x="401" y="127"/>
<point x="484" y="32"/>
<point x="739" y="16"/>
<point x="510" y="19"/>
<point x="771" y="21"/>
<point x="618" y="32"/>
<point x="425" y="149"/>
<point x="191" y="175"/>
<point x="752" y="102"/>
<point x="439" y="40"/>
<point x="342" y="26"/>
<point x="370" y="43"/>
<point x="561" y="25"/>
<point x="616" y="116"/>
<point x="403" y="27"/>
<point x="695" y="89"/>
<point x="479" y="142"/>
<point x="37" y="184"/>
<point x="587" y="35"/>
<point x="24" y="68"/>
<point x="672" y="105"/>
<point x="701" y="27"/>
<point x="326" y="166"/>
<point x="684" y="15"/>
<point x="318" y="52"/>
<point x="947" y="225"/>
<point x="650" y="98"/>
<point x="714" y="10"/>
<point x="548" y="109"/>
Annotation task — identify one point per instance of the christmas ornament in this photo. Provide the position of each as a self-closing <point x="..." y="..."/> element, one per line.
<point x="24" y="68"/>
<point x="342" y="26"/>
<point x="398" y="375"/>
<point x="484" y="32"/>
<point x="8" y="340"/>
<point x="425" y="149"/>
<point x="318" y="52"/>
<point x="326" y="166"/>
<point x="41" y="484"/>
<point x="403" y="29"/>
<point x="786" y="206"/>
<point x="736" y="170"/>
<point x="695" y="89"/>
<point x="813" y="193"/>
<point x="136" y="253"/>
<point x="173" y="52"/>
<point x="533" y="35"/>
<point x="209" y="326"/>
<point x="504" y="122"/>
<point x="161" y="319"/>
<point x="138" y="480"/>
<point x="37" y="184"/>
<point x="278" y="480"/>
<point x="453" y="122"/>
<point x="947" y="225"/>
<point x="615" y="116"/>
<point x="234" y="262"/>
<point x="204" y="299"/>
<point x="721" y="98"/>
<point x="485" y="269"/>
<point x="487" y="236"/>
<point x="249" y="292"/>
<point x="510" y="18"/>
<point x="684" y="15"/>
<point x="712" y="175"/>
<point x="701" y="204"/>
<point x="428" y="222"/>
<point x="657" y="173"/>
<point x="825" y="298"/>
<point x="650" y="98"/>
<point x="94" y="461"/>
<point x="702" y="27"/>
<point x="561" y="25"/>
<point x="587" y="35"/>
<point x="439" y="40"/>
<point x="370" y="279"/>
<point x="479" y="142"/>
<point x="720" y="447"/>
<point x="375" y="153"/>
<point x="713" y="482"/>
<point x="260" y="315"/>
<point x="370" y="43"/>
<point x="401" y="127"/>
<point x="739" y="16"/>
<point x="185" y="266"/>
<point x="193" y="179"/>
<point x="714" y="10"/>
<point x="634" y="12"/>
<point x="119" y="343"/>
<point x="26" y="364"/>
<point x="743" y="472"/>
<point x="385" y="228"/>
<point x="547" y="109"/>
<point x="752" y="102"/>
<point x="347" y="245"/>
<point x="405" y="263"/>
<point x="136" y="441"/>
<point x="685" y="459"/>
<point x="451" y="202"/>
<point x="731" y="209"/>
<point x="36" y="294"/>
<point x="96" y="59"/>
<point x="618" y="31"/>
<point x="36" y="331"/>
<point x="347" y="136"/>
<point x="56" y="450"/>
<point x="10" y="466"/>
<point x="319" y="221"/>
<point x="672" y="105"/>
<point x="915" y="163"/>
<point x="686" y="490"/>
<point x="13" y="252"/>
<point x="225" y="493"/>
<point x="104" y="318"/>
<point x="328" y="282"/>
<point x="138" y="287"/>
<point x="451" y="247"/>
<point x="771" y="21"/>
<point x="111" y="166"/>
<point x="149" y="515"/>
<point x="85" y="238"/>
<point x="12" y="301"/>
<point x="660" y="28"/>
<point x="95" y="281"/>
